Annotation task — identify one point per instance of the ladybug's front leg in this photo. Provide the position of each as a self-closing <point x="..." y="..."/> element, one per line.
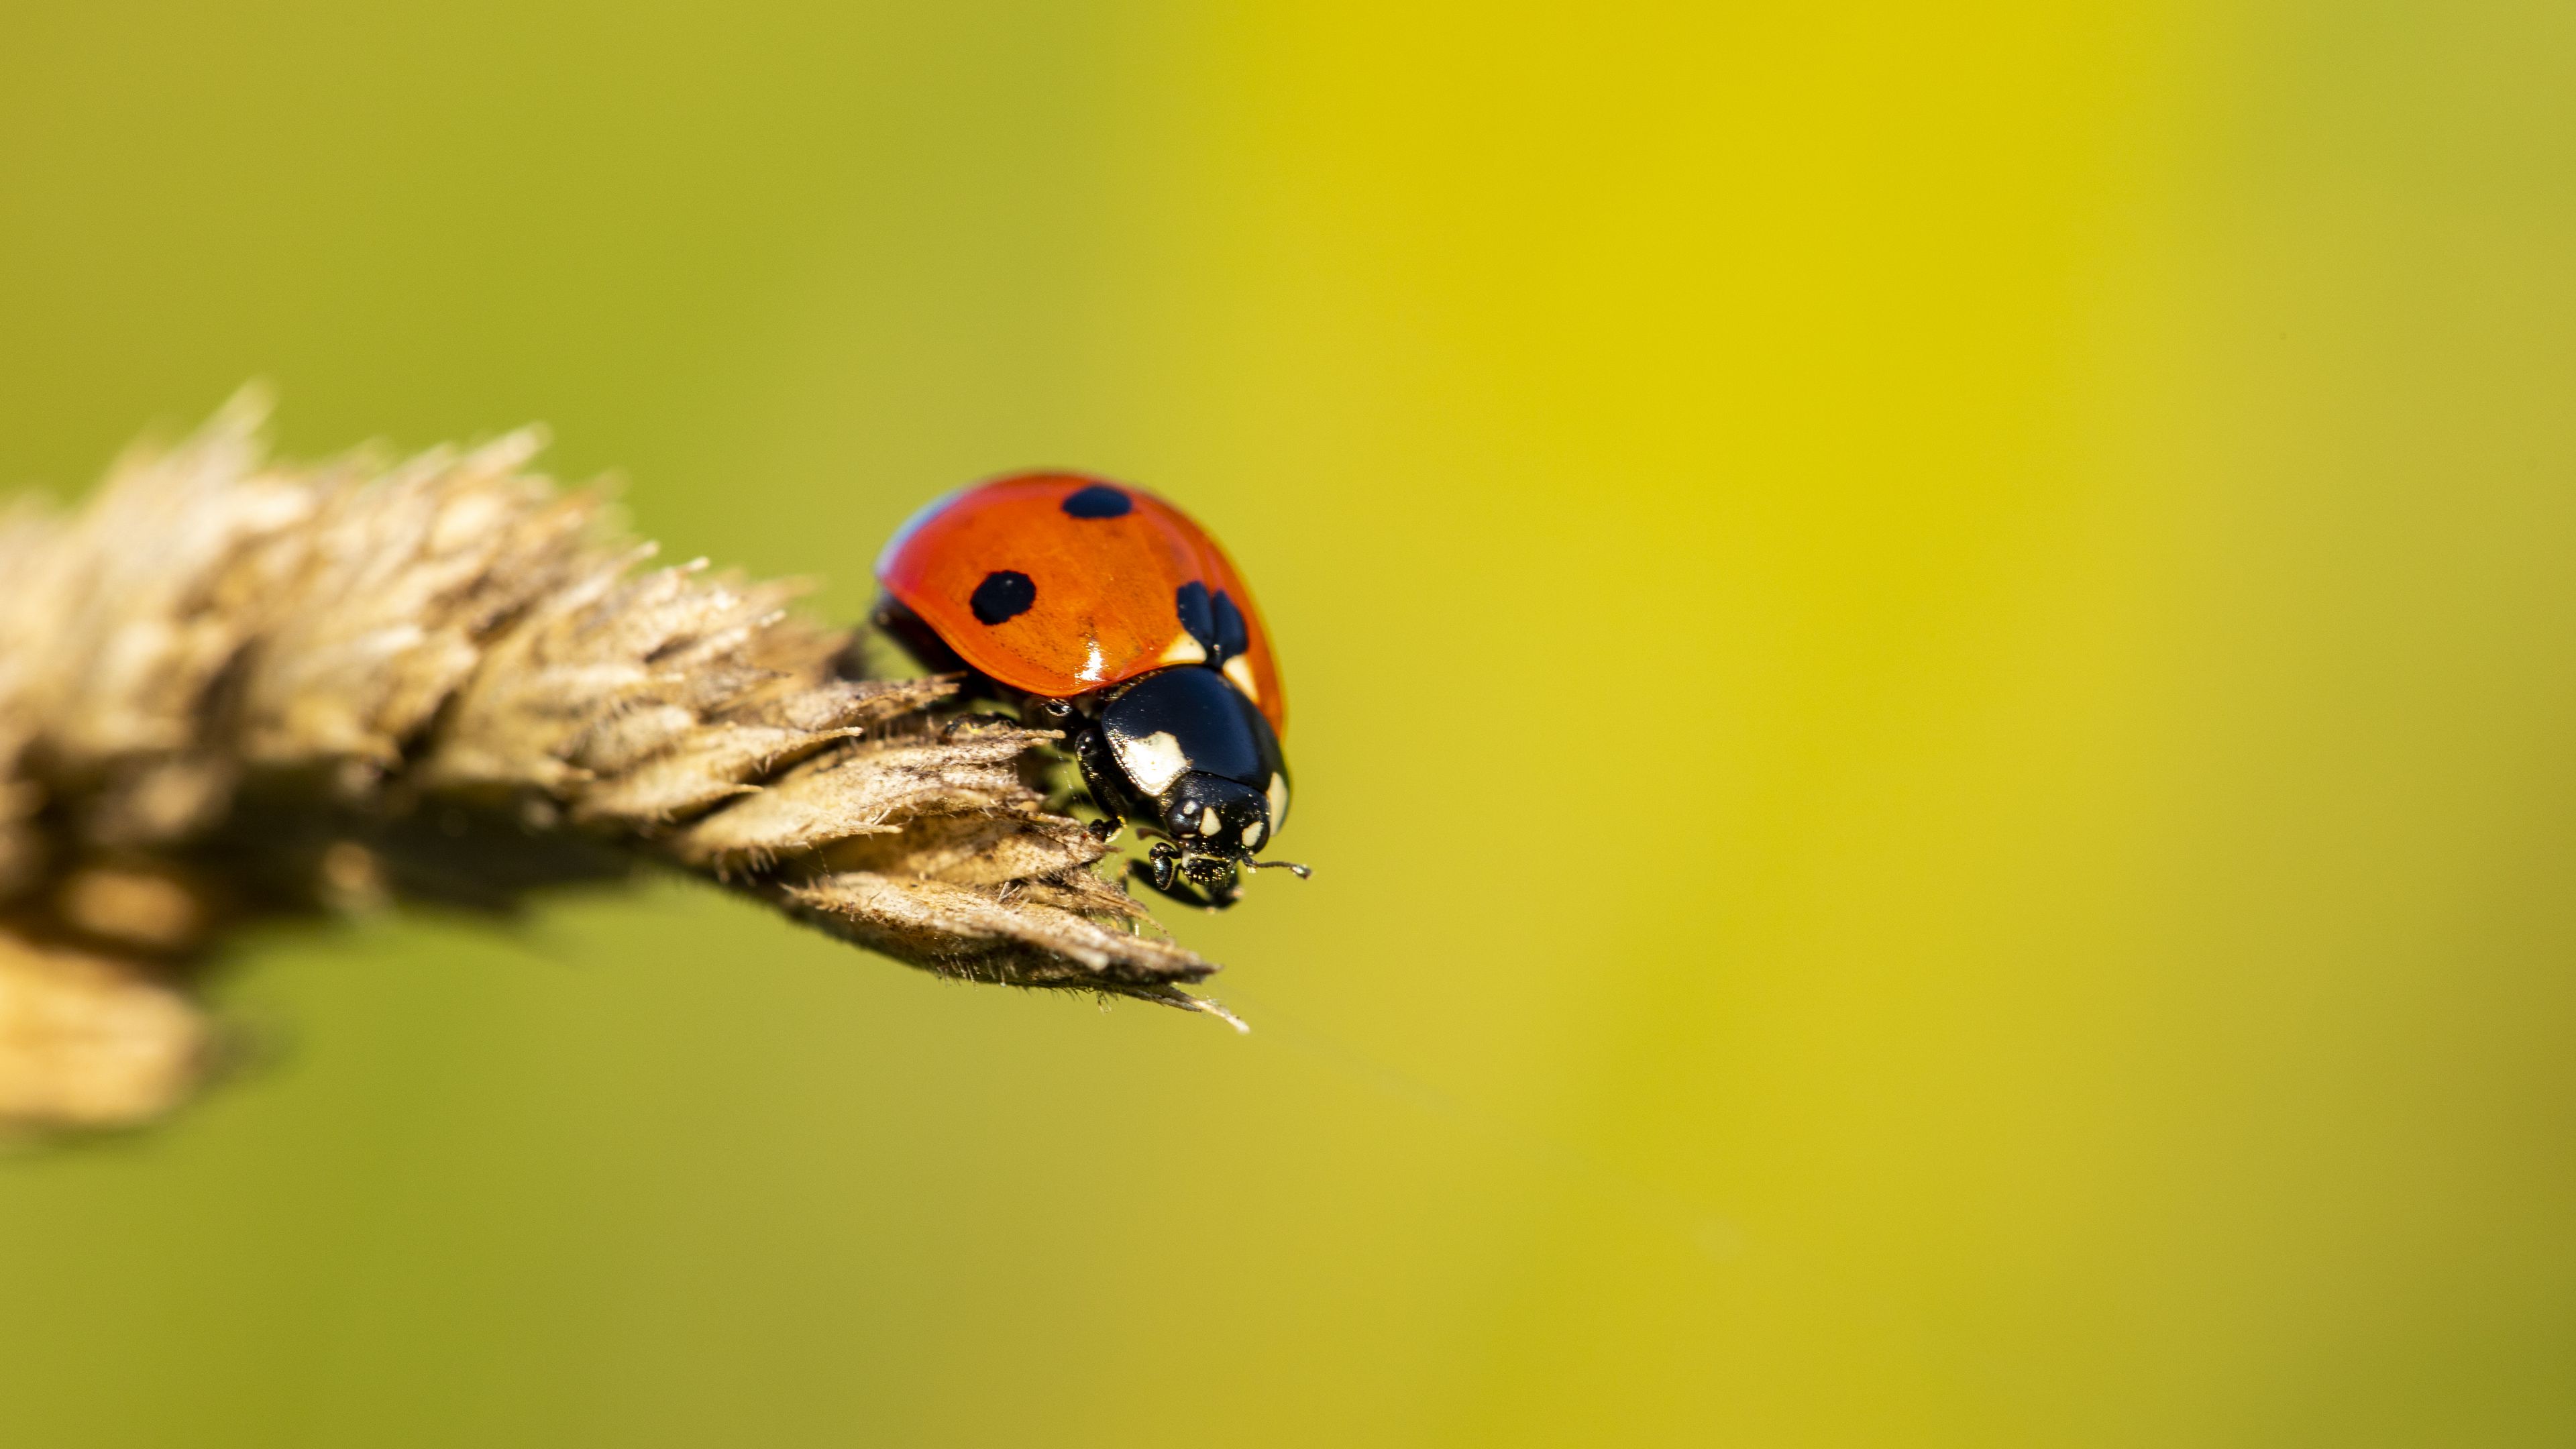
<point x="1100" y="776"/>
<point x="1206" y="882"/>
<point x="1161" y="869"/>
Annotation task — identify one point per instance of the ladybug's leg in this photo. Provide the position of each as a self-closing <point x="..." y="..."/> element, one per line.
<point x="1166" y="872"/>
<point x="1165" y="880"/>
<point x="1108" y="786"/>
<point x="1202" y="881"/>
<point x="1161" y="869"/>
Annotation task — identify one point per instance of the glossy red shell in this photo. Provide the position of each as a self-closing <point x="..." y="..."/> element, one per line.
<point x="1106" y="588"/>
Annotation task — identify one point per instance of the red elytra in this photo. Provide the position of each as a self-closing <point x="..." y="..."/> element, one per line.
<point x="1105" y="586"/>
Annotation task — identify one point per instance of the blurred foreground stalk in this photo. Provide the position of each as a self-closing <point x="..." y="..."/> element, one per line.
<point x="232" y="689"/>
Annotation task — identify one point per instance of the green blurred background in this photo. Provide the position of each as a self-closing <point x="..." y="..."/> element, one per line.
<point x="1935" y="668"/>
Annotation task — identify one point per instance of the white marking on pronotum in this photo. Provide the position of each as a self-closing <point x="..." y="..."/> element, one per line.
<point x="1252" y="836"/>
<point x="1278" y="800"/>
<point x="1153" y="762"/>
<point x="1207" y="820"/>
<point x="1092" y="665"/>
<point x="1241" y="673"/>
<point x="1184" y="650"/>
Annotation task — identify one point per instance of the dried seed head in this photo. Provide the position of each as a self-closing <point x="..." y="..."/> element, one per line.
<point x="231" y="687"/>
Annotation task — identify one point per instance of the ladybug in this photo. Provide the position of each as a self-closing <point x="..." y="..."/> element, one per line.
<point x="1110" y="613"/>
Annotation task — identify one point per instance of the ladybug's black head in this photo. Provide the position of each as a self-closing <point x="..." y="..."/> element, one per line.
<point x="1215" y="815"/>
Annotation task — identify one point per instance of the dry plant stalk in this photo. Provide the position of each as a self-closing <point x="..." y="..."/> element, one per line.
<point x="234" y="689"/>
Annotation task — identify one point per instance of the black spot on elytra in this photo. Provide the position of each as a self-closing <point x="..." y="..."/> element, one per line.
<point x="1232" y="637"/>
<point x="1004" y="594"/>
<point x="1190" y="601"/>
<point x="1098" y="501"/>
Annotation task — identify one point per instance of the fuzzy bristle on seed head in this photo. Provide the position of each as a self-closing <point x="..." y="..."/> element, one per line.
<point x="233" y="688"/>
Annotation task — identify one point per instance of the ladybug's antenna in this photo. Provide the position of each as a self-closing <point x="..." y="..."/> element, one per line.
<point x="1302" y="872"/>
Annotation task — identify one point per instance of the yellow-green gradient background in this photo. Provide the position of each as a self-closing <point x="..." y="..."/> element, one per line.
<point x="1934" y="703"/>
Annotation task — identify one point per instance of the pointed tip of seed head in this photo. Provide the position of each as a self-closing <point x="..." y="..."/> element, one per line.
<point x="1241" y="1026"/>
<point x="1175" y="997"/>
